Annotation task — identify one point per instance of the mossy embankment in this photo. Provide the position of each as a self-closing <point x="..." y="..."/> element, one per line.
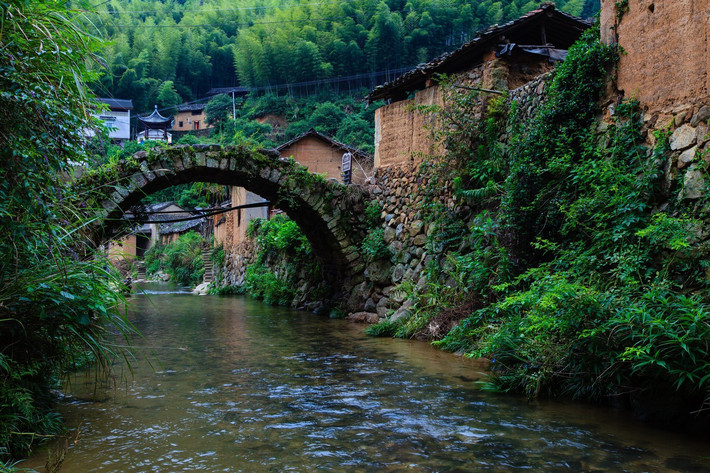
<point x="568" y="260"/>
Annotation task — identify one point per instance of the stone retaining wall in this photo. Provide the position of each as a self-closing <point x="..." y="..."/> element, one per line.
<point x="400" y="191"/>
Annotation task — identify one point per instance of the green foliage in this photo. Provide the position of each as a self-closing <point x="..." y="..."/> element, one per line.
<point x="219" y="110"/>
<point x="373" y="212"/>
<point x="262" y="283"/>
<point x="284" y="257"/>
<point x="373" y="246"/>
<point x="56" y="296"/>
<point x="181" y="259"/>
<point x="383" y="328"/>
<point x="592" y="292"/>
<point x="256" y="45"/>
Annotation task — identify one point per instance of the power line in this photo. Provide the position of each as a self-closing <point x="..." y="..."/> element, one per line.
<point x="248" y="23"/>
<point x="263" y="7"/>
<point x="194" y="217"/>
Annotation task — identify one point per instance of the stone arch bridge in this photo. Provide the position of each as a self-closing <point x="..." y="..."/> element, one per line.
<point x="329" y="213"/>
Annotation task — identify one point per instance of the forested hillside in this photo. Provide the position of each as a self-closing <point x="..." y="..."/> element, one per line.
<point x="169" y="51"/>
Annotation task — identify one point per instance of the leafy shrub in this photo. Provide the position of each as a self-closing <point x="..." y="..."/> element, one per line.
<point x="374" y="247"/>
<point x="260" y="282"/>
<point x="383" y="328"/>
<point x="181" y="259"/>
<point x="284" y="257"/>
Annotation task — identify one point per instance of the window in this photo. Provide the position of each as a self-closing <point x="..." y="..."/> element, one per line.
<point x="180" y="124"/>
<point x="197" y="112"/>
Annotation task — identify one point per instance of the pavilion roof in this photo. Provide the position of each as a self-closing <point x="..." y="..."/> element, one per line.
<point x="156" y="120"/>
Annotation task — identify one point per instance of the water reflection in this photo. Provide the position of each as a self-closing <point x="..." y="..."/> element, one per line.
<point x="238" y="386"/>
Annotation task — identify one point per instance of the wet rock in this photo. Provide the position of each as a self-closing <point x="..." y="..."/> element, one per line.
<point x="404" y="311"/>
<point x="382" y="307"/>
<point x="379" y="272"/>
<point x="370" y="305"/>
<point x="364" y="317"/>
<point x="358" y="295"/>
<point x="202" y="289"/>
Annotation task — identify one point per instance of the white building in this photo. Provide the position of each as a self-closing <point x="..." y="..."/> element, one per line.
<point x="117" y="118"/>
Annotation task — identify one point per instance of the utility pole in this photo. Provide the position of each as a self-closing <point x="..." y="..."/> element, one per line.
<point x="234" y="109"/>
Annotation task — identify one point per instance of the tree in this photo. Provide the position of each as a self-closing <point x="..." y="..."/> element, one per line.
<point x="168" y="98"/>
<point x="219" y="110"/>
<point x="54" y="303"/>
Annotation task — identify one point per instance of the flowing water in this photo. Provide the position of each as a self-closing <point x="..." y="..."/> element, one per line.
<point x="226" y="384"/>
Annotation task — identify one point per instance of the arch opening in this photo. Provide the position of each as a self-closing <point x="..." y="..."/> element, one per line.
<point x="328" y="213"/>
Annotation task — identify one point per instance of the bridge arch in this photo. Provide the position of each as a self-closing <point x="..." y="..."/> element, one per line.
<point x="329" y="213"/>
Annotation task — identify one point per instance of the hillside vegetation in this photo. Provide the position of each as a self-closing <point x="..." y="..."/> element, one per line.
<point x="169" y="51"/>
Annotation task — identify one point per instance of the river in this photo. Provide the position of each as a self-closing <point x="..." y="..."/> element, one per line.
<point x="228" y="384"/>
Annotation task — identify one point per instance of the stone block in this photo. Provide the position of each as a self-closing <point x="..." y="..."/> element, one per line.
<point x="364" y="317"/>
<point x="416" y="227"/>
<point x="701" y="116"/>
<point x="682" y="138"/>
<point x="686" y="157"/>
<point x="383" y="306"/>
<point x="694" y="184"/>
<point x="419" y="240"/>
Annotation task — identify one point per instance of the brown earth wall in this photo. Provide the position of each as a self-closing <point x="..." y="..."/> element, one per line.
<point x="403" y="132"/>
<point x="666" y="62"/>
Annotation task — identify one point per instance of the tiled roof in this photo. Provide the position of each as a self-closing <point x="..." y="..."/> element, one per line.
<point x="560" y="30"/>
<point x="189" y="107"/>
<point x="117" y="104"/>
<point x="155" y="118"/>
<point x="331" y="141"/>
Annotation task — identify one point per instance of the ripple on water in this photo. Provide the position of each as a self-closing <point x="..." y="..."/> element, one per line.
<point x="259" y="389"/>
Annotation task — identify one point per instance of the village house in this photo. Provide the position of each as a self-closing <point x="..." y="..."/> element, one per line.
<point x="190" y="117"/>
<point x="117" y="118"/>
<point x="499" y="59"/>
<point x="145" y="236"/>
<point x="230" y="228"/>
<point x="322" y="154"/>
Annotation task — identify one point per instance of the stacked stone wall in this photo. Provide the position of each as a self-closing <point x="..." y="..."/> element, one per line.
<point x="402" y="190"/>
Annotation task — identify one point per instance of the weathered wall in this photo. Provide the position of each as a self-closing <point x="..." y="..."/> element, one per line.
<point x="403" y="134"/>
<point x="402" y="190"/>
<point x="400" y="133"/>
<point x="666" y="61"/>
<point x="124" y="248"/>
<point x="322" y="158"/>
